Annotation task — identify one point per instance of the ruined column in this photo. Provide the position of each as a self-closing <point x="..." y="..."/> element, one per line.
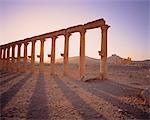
<point x="0" y="58"/>
<point x="53" y="54"/>
<point x="13" y="58"/>
<point x="25" y="55"/>
<point x="66" y="53"/>
<point x="103" y="65"/>
<point x="33" y="55"/>
<point x="42" y="54"/>
<point x="8" y="57"/>
<point x="4" y="58"/>
<point x="18" y="56"/>
<point x="82" y="53"/>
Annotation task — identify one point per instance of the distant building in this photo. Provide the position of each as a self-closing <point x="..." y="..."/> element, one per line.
<point x="115" y="59"/>
<point x="126" y="61"/>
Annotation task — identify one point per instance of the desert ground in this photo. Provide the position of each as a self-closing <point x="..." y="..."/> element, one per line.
<point x="42" y="96"/>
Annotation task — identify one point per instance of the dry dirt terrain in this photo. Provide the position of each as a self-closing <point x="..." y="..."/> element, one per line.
<point x="41" y="96"/>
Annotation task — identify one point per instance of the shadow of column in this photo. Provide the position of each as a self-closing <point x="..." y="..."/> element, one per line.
<point x="113" y="88"/>
<point x="87" y="112"/>
<point x="11" y="92"/>
<point x="3" y="72"/>
<point x="130" y="109"/>
<point x="10" y="78"/>
<point x="6" y="74"/>
<point x="38" y="109"/>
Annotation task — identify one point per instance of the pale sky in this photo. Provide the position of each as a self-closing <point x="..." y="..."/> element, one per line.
<point x="127" y="36"/>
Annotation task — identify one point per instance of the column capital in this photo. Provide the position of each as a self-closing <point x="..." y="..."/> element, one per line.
<point x="8" y="46"/>
<point x="4" y="48"/>
<point x="33" y="41"/>
<point x="67" y="34"/>
<point x="105" y="27"/>
<point x="19" y="44"/>
<point x="26" y="43"/>
<point x="82" y="31"/>
<point x="13" y="45"/>
<point x="54" y="37"/>
<point x="42" y="39"/>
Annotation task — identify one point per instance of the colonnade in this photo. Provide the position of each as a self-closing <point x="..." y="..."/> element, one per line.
<point x="13" y="64"/>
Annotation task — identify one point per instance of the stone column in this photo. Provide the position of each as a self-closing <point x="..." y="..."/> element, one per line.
<point x="25" y="55"/>
<point x="103" y="65"/>
<point x="8" y="57"/>
<point x="4" y="58"/>
<point x="53" y="54"/>
<point x="0" y="58"/>
<point x="33" y="55"/>
<point x="82" y="53"/>
<point x="18" y="56"/>
<point x="42" y="54"/>
<point x="13" y="57"/>
<point x="66" y="53"/>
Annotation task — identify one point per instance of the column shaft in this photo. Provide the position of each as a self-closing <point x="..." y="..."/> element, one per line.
<point x="13" y="57"/>
<point x="33" y="56"/>
<point x="42" y="55"/>
<point x="8" y="57"/>
<point x="19" y="53"/>
<point x="103" y="65"/>
<point x="53" y="54"/>
<point x="4" y="58"/>
<point x="42" y="51"/>
<point x="33" y="53"/>
<point x="66" y="53"/>
<point x="82" y="53"/>
<point x="1" y="58"/>
<point x="25" y="51"/>
<point x="25" y="55"/>
<point x="18" y="57"/>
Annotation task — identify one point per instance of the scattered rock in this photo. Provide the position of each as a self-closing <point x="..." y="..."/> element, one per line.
<point x="81" y="112"/>
<point x="120" y="110"/>
<point x="145" y="94"/>
<point x="99" y="116"/>
<point x="75" y="86"/>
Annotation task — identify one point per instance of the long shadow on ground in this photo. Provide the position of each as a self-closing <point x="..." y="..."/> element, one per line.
<point x="38" y="109"/>
<point x="99" y="90"/>
<point x="10" y="78"/>
<point x="7" y="74"/>
<point x="114" y="88"/>
<point x="3" y="72"/>
<point x="11" y="92"/>
<point x="77" y="102"/>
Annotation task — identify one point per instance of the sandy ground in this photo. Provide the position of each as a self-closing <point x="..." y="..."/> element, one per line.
<point x="41" y="96"/>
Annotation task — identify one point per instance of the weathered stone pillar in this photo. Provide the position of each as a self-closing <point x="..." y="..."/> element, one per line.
<point x="4" y="58"/>
<point x="0" y="58"/>
<point x="42" y="54"/>
<point x="82" y="53"/>
<point x="103" y="65"/>
<point x="18" y="56"/>
<point x="66" y="53"/>
<point x="13" y="57"/>
<point x="33" y="55"/>
<point x="8" y="57"/>
<point x="25" y="55"/>
<point x="53" y="54"/>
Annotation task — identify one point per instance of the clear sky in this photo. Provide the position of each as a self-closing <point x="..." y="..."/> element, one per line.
<point x="127" y="36"/>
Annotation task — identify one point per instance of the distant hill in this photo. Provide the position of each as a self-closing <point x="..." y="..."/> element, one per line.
<point x="114" y="59"/>
<point x="75" y="60"/>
